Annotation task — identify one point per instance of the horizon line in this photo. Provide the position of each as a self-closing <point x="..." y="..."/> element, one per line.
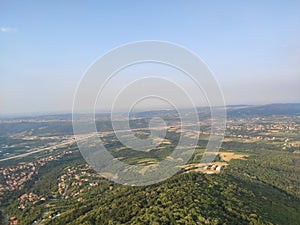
<point x="65" y="112"/>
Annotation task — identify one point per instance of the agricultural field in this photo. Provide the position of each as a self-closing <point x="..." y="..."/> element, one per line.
<point x="253" y="179"/>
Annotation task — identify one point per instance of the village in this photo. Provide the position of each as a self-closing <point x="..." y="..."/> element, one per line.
<point x="77" y="180"/>
<point x="14" y="177"/>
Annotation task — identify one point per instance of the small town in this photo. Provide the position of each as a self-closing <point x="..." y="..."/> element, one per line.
<point x="14" y="177"/>
<point x="75" y="182"/>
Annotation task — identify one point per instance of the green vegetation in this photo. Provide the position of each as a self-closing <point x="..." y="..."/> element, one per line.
<point x="262" y="188"/>
<point x="241" y="194"/>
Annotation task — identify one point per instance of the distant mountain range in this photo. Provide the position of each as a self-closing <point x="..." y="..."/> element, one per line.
<point x="232" y="111"/>
<point x="239" y="110"/>
<point x="263" y="110"/>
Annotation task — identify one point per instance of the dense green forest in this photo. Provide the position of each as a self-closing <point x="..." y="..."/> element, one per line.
<point x="262" y="187"/>
<point x="242" y="194"/>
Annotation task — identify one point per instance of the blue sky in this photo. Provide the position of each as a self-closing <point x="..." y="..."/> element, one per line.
<point x="252" y="47"/>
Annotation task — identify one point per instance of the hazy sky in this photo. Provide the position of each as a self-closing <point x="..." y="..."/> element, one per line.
<point x="253" y="47"/>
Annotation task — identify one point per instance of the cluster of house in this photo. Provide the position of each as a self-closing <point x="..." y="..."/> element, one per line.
<point x="77" y="180"/>
<point x="235" y="131"/>
<point x="256" y="126"/>
<point x="28" y="200"/>
<point x="14" y="177"/>
<point x="212" y="169"/>
<point x="256" y="137"/>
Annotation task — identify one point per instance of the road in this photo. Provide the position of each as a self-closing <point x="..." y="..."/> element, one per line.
<point x="66" y="143"/>
<point x="60" y="145"/>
